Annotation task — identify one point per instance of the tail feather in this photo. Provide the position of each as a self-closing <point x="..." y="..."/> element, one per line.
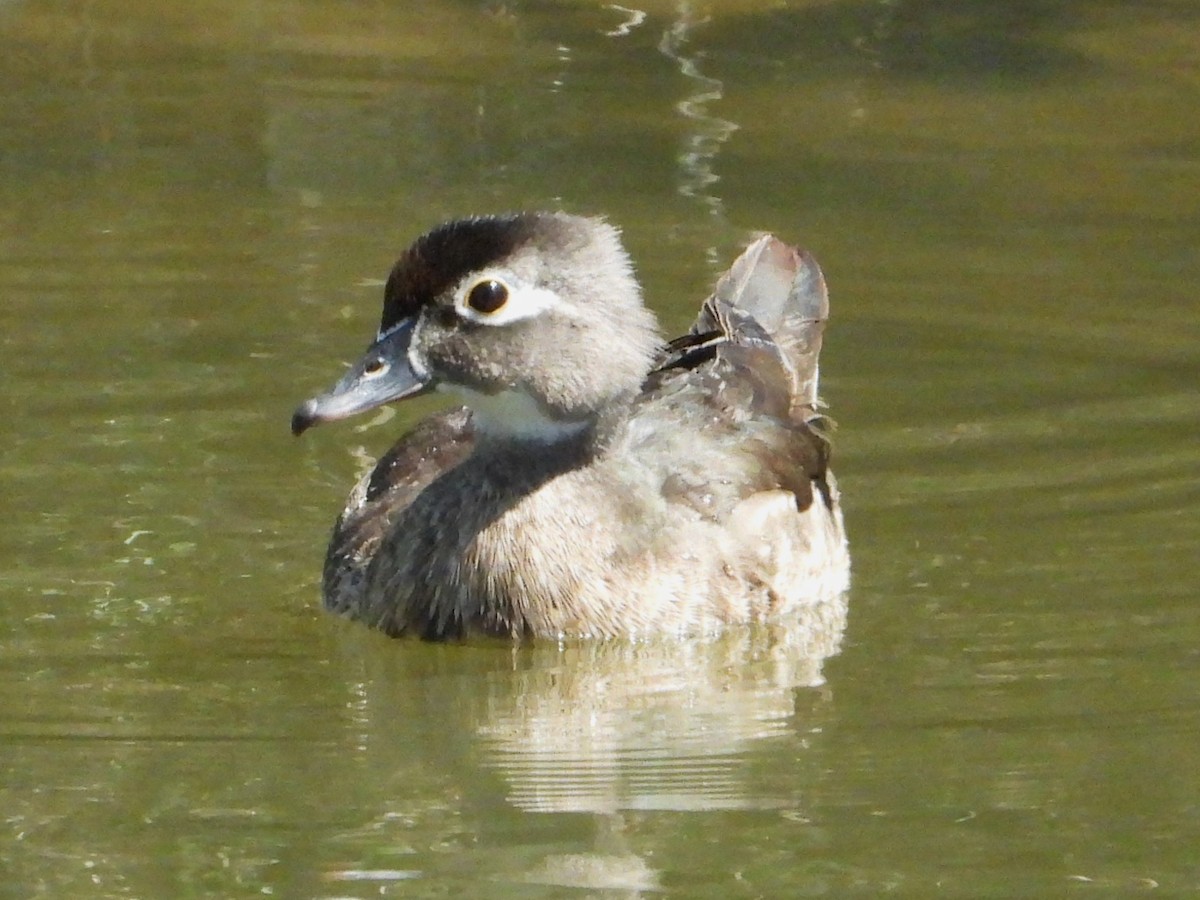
<point x="764" y="320"/>
<point x="782" y="288"/>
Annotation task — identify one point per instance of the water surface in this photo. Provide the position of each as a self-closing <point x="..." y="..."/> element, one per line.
<point x="197" y="205"/>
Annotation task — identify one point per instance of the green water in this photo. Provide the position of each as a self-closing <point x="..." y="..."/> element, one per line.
<point x="197" y="204"/>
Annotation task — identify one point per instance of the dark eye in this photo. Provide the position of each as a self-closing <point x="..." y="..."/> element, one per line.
<point x="488" y="296"/>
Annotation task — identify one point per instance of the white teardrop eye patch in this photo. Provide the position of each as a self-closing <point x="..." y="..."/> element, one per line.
<point x="490" y="299"/>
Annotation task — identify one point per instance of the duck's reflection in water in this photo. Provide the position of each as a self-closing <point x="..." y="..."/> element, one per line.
<point x="610" y="726"/>
<point x="612" y="729"/>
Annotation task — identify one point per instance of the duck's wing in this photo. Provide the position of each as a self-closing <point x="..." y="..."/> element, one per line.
<point x="764" y="321"/>
<point x="437" y="445"/>
<point x="748" y="368"/>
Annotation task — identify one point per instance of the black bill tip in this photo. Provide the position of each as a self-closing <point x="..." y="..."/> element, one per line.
<point x="305" y="417"/>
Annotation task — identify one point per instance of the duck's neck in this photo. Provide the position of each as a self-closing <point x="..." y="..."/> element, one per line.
<point x="513" y="415"/>
<point x="512" y="421"/>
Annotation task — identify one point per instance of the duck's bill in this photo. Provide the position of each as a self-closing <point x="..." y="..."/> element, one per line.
<point x="384" y="374"/>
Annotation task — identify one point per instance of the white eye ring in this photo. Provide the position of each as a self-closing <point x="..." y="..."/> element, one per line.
<point x="491" y="298"/>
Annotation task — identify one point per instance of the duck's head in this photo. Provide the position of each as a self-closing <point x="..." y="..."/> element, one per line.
<point x="534" y="319"/>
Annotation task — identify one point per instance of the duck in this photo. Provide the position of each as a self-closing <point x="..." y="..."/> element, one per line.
<point x="594" y="481"/>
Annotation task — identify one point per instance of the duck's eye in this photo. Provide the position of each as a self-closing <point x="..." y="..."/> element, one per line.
<point x="488" y="296"/>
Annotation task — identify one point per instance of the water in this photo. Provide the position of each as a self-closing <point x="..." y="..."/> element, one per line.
<point x="196" y="207"/>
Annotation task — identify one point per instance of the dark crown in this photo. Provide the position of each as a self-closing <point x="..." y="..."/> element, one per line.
<point x="439" y="259"/>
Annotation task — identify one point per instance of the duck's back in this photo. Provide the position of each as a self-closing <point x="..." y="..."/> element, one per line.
<point x="729" y="424"/>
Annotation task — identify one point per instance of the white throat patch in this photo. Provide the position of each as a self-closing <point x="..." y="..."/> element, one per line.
<point x="513" y="414"/>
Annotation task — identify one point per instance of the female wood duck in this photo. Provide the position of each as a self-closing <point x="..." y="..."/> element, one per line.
<point x="597" y="483"/>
